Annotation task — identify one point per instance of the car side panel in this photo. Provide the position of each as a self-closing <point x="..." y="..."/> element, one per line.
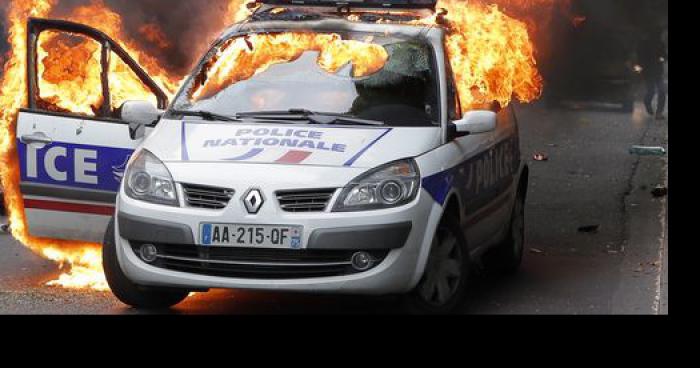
<point x="479" y="171"/>
<point x="69" y="186"/>
<point x="496" y="172"/>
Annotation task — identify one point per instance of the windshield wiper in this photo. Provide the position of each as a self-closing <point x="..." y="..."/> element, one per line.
<point x="206" y="115"/>
<point x="342" y="120"/>
<point x="322" y="118"/>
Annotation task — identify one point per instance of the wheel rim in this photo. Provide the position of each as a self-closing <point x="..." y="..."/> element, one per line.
<point x="443" y="273"/>
<point x="518" y="229"/>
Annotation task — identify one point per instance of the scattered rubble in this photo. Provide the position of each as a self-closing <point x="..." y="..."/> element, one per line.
<point x="589" y="229"/>
<point x="647" y="151"/>
<point x="539" y="156"/>
<point x="659" y="191"/>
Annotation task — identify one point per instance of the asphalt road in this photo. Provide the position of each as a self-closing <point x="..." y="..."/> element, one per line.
<point x="589" y="180"/>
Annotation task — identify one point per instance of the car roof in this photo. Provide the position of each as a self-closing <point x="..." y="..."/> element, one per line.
<point x="384" y="4"/>
<point x="272" y="18"/>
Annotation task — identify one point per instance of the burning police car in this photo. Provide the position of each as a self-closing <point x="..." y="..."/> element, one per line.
<point x="307" y="152"/>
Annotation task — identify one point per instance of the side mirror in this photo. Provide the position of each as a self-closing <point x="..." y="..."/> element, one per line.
<point x="139" y="114"/>
<point x="475" y="122"/>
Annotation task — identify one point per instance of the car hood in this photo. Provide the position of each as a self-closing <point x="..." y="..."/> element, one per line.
<point x="285" y="144"/>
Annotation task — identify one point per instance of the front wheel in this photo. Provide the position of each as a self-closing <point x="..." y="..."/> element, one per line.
<point x="126" y="291"/>
<point x="446" y="274"/>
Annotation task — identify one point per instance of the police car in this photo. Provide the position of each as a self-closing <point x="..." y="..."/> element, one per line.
<point x="295" y="179"/>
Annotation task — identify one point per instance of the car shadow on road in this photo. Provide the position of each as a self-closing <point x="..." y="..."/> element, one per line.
<point x="240" y="302"/>
<point x="485" y="295"/>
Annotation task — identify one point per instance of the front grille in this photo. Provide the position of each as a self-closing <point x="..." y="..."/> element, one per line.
<point x="305" y="200"/>
<point x="257" y="263"/>
<point x="207" y="197"/>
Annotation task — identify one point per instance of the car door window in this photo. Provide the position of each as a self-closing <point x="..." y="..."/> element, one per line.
<point x="77" y="70"/>
<point x="125" y="85"/>
<point x="69" y="74"/>
<point x="453" y="105"/>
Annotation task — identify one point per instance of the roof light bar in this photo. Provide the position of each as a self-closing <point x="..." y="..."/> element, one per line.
<point x="392" y="4"/>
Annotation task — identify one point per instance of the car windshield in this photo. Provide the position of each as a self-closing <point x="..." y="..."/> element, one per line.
<point x="397" y="88"/>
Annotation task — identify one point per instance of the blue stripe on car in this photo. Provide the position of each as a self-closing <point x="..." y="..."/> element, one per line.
<point x="478" y="180"/>
<point x="248" y="155"/>
<point x="362" y="152"/>
<point x="439" y="185"/>
<point x="110" y="166"/>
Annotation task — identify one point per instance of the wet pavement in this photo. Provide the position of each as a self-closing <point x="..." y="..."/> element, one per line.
<point x="589" y="180"/>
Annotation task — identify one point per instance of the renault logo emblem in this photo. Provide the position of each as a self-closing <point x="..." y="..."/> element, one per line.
<point x="253" y="201"/>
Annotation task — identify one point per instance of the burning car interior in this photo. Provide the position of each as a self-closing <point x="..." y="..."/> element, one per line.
<point x="98" y="72"/>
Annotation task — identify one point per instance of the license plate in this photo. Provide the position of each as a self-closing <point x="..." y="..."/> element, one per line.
<point x="247" y="236"/>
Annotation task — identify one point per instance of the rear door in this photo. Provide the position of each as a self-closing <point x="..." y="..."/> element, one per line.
<point x="72" y="147"/>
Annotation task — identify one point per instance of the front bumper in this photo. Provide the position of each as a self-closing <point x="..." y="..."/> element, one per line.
<point x="404" y="233"/>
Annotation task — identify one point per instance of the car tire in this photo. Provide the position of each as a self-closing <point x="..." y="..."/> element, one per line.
<point x="444" y="282"/>
<point x="507" y="257"/>
<point x="128" y="292"/>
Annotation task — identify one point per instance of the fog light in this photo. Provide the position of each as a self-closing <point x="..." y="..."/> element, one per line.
<point x="362" y="261"/>
<point x="149" y="253"/>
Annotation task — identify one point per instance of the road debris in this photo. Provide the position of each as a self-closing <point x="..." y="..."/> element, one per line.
<point x="647" y="151"/>
<point x="659" y="191"/>
<point x="589" y="229"/>
<point x="536" y="251"/>
<point x="539" y="156"/>
<point x="5" y="228"/>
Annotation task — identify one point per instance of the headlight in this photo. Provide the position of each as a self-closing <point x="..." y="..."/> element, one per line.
<point x="147" y="179"/>
<point x="391" y="185"/>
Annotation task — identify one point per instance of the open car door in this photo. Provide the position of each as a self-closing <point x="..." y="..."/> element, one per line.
<point x="73" y="148"/>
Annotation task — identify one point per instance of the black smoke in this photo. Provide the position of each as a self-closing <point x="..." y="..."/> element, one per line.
<point x="602" y="47"/>
<point x="190" y="26"/>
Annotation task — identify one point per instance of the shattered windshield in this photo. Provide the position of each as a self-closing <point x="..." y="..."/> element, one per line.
<point x="372" y="77"/>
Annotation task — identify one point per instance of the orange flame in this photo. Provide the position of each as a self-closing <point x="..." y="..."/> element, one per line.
<point x="491" y="54"/>
<point x="154" y="35"/>
<point x="99" y="16"/>
<point x="69" y="73"/>
<point x="243" y="57"/>
<point x="83" y="257"/>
